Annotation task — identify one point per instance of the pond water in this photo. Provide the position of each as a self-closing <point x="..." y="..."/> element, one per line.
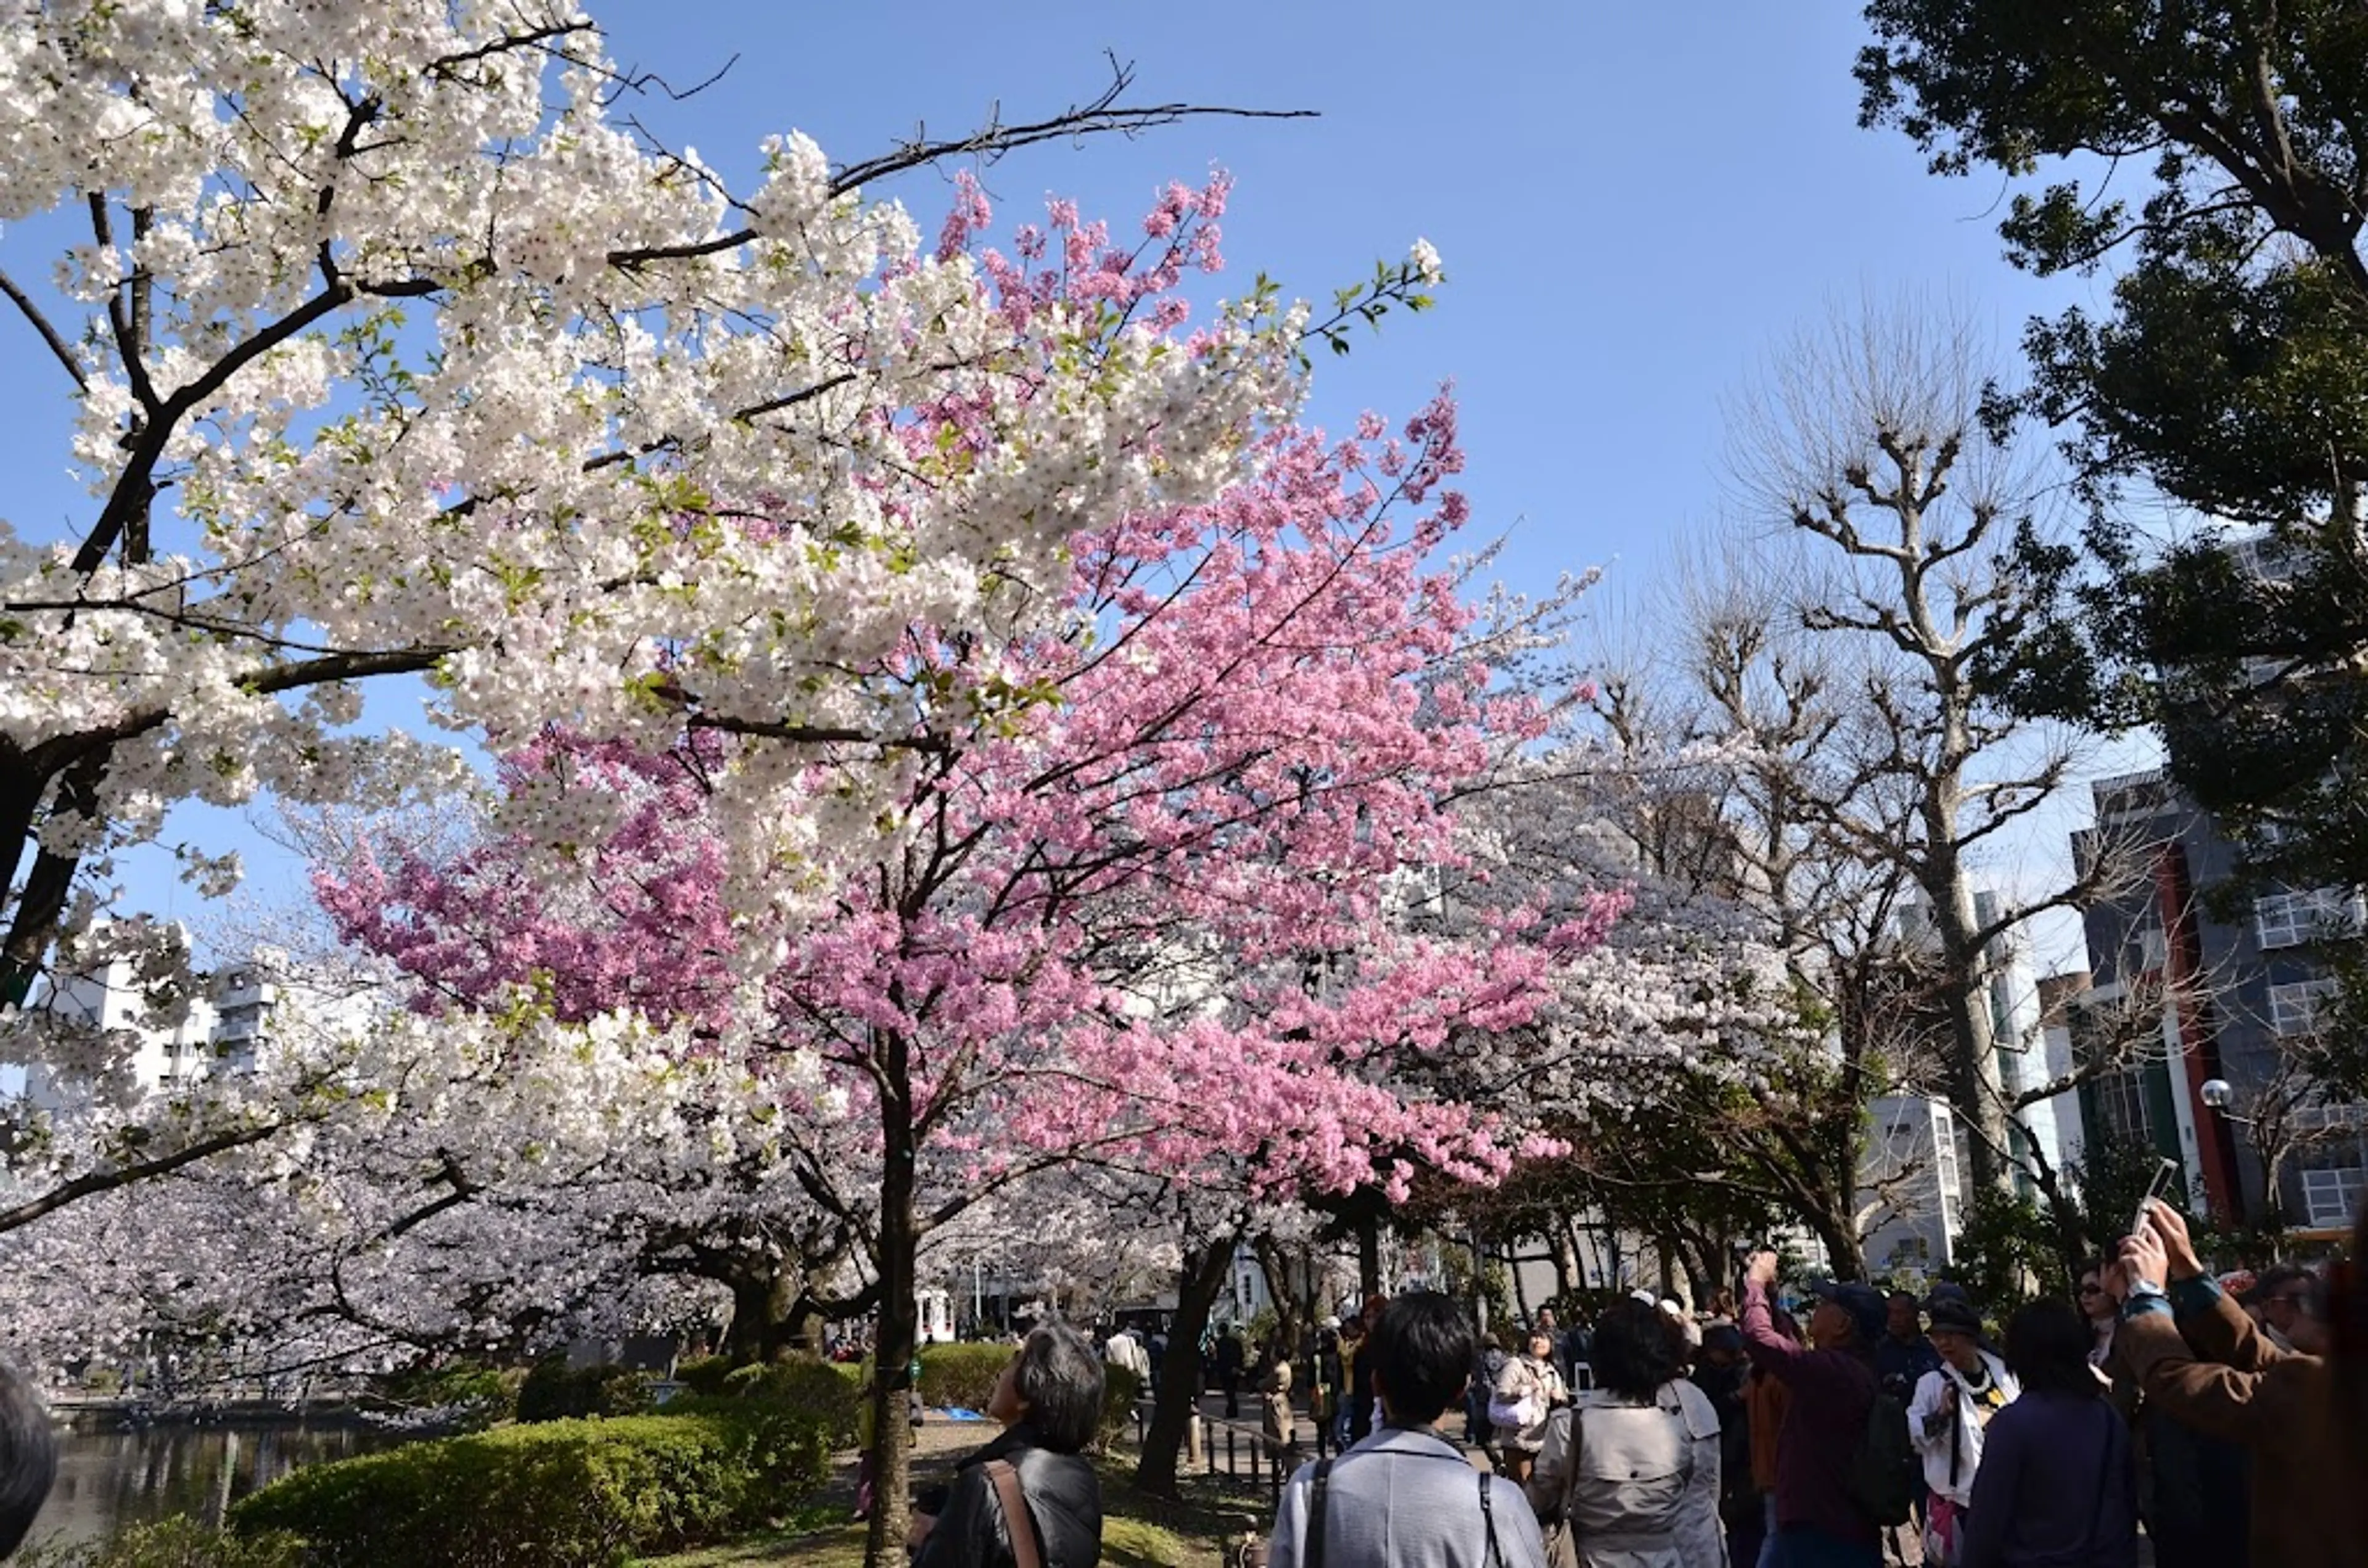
<point x="108" y="1478"/>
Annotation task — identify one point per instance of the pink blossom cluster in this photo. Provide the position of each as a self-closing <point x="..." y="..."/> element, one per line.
<point x="1138" y="906"/>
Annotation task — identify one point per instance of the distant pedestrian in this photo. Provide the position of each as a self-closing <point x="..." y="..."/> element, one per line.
<point x="1529" y="1390"/>
<point x="2056" y="1487"/>
<point x="1324" y="1405"/>
<point x="1361" y="1403"/>
<point x="1230" y="1356"/>
<point x="1274" y="1401"/>
<point x="1487" y="1363"/>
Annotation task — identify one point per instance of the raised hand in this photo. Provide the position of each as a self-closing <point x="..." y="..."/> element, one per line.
<point x="2170" y="1227"/>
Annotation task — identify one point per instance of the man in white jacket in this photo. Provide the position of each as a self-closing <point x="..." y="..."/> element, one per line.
<point x="1946" y="1417"/>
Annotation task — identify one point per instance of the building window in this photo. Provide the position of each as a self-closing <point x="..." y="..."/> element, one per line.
<point x="2294" y="1004"/>
<point x="2122" y="1105"/>
<point x="2287" y="919"/>
<point x="2331" y="1195"/>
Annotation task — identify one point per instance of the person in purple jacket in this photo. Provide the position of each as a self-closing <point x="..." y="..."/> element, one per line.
<point x="2056" y="1487"/>
<point x="1832" y="1385"/>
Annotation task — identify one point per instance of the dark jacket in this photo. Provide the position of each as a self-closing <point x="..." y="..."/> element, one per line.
<point x="1738" y="1501"/>
<point x="2056" y="1488"/>
<point x="1064" y="1497"/>
<point x="1901" y="1364"/>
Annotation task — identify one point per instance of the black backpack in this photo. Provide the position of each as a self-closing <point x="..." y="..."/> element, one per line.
<point x="1884" y="1468"/>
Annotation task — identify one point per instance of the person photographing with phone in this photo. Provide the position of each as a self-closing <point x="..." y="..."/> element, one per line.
<point x="2201" y="1359"/>
<point x="1831" y="1382"/>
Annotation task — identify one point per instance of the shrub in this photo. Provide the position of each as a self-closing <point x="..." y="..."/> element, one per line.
<point x="705" y="1374"/>
<point x="961" y="1374"/>
<point x="830" y="1394"/>
<point x="563" y="1493"/>
<point x="175" y="1542"/>
<point x="553" y="1392"/>
<point x="1120" y="1389"/>
<point x="469" y="1395"/>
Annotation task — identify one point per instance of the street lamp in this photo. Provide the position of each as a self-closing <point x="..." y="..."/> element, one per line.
<point x="2216" y="1095"/>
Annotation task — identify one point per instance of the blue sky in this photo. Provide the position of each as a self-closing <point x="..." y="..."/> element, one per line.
<point x="1635" y="203"/>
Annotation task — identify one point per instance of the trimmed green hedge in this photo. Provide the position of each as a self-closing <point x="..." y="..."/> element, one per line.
<point x="824" y="1391"/>
<point x="553" y="1392"/>
<point x="705" y="1374"/>
<point x="554" y="1494"/>
<point x="961" y="1374"/>
<point x="175" y="1542"/>
<point x="478" y="1396"/>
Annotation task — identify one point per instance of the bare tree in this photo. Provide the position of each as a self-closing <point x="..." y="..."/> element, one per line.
<point x="1864" y="443"/>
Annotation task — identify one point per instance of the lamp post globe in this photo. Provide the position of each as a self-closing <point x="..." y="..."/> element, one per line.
<point x="2216" y="1093"/>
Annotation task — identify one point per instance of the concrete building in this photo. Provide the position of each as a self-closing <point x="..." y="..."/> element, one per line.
<point x="219" y="1029"/>
<point x="2211" y="991"/>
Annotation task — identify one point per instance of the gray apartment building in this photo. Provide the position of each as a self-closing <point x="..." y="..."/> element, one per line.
<point x="2198" y="988"/>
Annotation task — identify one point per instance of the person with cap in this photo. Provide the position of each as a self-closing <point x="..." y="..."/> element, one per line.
<point x="1832" y="1385"/>
<point x="1947" y="1414"/>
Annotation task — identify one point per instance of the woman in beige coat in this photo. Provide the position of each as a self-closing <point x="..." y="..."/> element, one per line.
<point x="1529" y="1390"/>
<point x="1629" y="1477"/>
<point x="1274" y="1393"/>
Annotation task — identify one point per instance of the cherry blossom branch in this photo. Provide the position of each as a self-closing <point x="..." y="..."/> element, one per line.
<point x="91" y="1183"/>
<point x="41" y="325"/>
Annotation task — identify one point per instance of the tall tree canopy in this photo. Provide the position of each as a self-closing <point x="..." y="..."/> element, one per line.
<point x="2229" y="374"/>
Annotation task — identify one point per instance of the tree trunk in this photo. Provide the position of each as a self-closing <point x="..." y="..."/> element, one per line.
<point x="1975" y="1081"/>
<point x="1179" y="1394"/>
<point x="1838" y="1231"/>
<point x="1285" y="1286"/>
<point x="1369" y="1254"/>
<point x="893" y="1261"/>
<point x="1566" y="1261"/>
<point x="760" y="1328"/>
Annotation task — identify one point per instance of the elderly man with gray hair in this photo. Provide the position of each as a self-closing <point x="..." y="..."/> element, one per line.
<point x="1026" y="1499"/>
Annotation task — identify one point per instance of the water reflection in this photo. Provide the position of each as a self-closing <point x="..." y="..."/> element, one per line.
<point x="108" y="1478"/>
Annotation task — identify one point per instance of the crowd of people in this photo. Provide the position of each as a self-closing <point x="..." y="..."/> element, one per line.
<point x="2226" y="1419"/>
<point x="2223" y="1420"/>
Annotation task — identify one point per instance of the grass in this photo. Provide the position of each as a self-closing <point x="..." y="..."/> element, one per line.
<point x="1139" y="1530"/>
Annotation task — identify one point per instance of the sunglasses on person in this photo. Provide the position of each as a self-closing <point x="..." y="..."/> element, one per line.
<point x="2092" y="1290"/>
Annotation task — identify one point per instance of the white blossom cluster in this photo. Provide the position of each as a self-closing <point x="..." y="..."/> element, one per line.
<point x="399" y="349"/>
<point x="402" y="351"/>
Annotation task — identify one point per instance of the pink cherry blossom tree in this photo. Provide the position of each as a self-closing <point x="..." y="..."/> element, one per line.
<point x="1134" y="899"/>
